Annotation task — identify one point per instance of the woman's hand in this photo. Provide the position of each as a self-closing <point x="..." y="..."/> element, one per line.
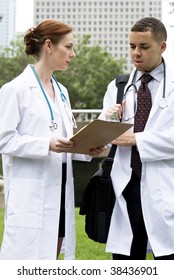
<point x="61" y="145"/>
<point x="96" y="151"/>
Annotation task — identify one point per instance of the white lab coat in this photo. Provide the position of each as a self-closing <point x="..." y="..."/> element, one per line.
<point x="156" y="148"/>
<point x="32" y="174"/>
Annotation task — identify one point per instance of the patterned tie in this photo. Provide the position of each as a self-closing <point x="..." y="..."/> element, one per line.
<point x="144" y="104"/>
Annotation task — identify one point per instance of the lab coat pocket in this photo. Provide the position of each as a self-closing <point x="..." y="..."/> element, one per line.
<point x="169" y="212"/>
<point x="25" y="203"/>
<point x="165" y="179"/>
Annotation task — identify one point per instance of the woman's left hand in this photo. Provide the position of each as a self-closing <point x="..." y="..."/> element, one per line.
<point x="96" y="151"/>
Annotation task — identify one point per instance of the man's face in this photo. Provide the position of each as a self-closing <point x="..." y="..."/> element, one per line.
<point x="145" y="51"/>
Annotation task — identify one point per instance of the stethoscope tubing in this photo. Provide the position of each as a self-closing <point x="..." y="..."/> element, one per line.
<point x="164" y="85"/>
<point x="63" y="98"/>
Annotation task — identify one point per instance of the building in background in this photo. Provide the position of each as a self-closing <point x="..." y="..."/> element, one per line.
<point x="107" y="21"/>
<point x="7" y="22"/>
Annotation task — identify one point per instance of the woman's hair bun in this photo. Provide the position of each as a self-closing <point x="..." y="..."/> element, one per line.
<point x="29" y="41"/>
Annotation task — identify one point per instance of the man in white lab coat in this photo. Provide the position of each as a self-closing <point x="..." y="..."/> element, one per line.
<point x="144" y="209"/>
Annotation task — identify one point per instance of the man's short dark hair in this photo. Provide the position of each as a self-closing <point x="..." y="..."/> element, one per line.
<point x="155" y="26"/>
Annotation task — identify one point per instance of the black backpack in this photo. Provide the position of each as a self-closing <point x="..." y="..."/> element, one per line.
<point x="99" y="198"/>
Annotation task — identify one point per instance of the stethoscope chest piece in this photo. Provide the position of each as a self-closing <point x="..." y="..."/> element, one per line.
<point x="163" y="103"/>
<point x="53" y="126"/>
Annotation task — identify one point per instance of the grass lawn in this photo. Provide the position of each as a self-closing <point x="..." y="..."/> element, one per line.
<point x="1" y="223"/>
<point x="86" y="249"/>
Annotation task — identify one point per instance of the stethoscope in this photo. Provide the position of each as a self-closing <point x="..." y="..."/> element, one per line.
<point x="162" y="103"/>
<point x="53" y="125"/>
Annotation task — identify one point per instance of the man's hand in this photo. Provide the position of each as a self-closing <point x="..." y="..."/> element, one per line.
<point x="126" y="139"/>
<point x="115" y="109"/>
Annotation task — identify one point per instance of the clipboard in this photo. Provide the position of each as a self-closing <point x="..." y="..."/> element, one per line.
<point x="97" y="133"/>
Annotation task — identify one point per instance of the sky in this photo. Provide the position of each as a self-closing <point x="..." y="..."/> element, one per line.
<point x="24" y="15"/>
<point x="24" y="20"/>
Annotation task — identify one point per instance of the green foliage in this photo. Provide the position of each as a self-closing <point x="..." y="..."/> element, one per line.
<point x="86" y="78"/>
<point x="89" y="74"/>
<point x="13" y="60"/>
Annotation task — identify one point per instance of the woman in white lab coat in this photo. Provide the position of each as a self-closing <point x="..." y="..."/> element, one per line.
<point x="156" y="148"/>
<point x="35" y="125"/>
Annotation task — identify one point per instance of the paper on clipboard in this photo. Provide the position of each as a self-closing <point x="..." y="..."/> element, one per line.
<point x="97" y="133"/>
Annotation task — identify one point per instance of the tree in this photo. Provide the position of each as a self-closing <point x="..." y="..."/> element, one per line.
<point x="86" y="78"/>
<point x="13" y="60"/>
<point x="89" y="74"/>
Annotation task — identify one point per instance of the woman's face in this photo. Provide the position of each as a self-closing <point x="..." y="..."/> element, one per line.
<point x="62" y="53"/>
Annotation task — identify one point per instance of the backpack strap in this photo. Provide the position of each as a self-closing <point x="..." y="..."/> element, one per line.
<point x="120" y="83"/>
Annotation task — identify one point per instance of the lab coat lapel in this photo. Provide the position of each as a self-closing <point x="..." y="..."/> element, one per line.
<point x="32" y="82"/>
<point x="169" y="85"/>
<point x="169" y="81"/>
<point x="65" y="111"/>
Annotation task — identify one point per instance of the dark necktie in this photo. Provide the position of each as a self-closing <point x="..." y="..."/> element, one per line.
<point x="144" y="104"/>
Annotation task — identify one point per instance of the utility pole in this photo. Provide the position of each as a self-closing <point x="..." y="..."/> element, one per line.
<point x="1" y="16"/>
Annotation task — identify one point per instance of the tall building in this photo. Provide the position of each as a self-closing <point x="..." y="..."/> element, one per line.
<point x="7" y="22"/>
<point x="108" y="22"/>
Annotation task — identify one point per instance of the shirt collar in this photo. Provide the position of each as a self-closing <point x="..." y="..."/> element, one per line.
<point x="156" y="73"/>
